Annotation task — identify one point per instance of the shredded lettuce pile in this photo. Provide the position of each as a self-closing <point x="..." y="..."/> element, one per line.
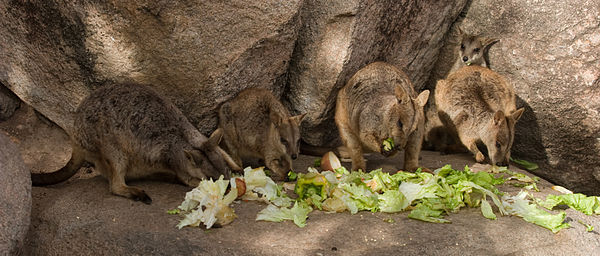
<point x="429" y="197"/>
<point x="208" y="204"/>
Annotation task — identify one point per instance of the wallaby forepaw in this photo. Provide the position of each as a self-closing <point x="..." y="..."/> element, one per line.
<point x="479" y="157"/>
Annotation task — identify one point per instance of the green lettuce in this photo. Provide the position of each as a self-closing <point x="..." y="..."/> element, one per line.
<point x="392" y="201"/>
<point x="525" y="164"/>
<point x="519" y="206"/>
<point x="298" y="213"/>
<point x="580" y="202"/>
<point x="426" y="213"/>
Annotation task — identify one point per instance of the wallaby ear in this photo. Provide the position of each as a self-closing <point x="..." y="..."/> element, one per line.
<point x="275" y="118"/>
<point x="298" y="118"/>
<point x="229" y="161"/>
<point x="422" y="98"/>
<point x="215" y="138"/>
<point x="498" y="117"/>
<point x="489" y="41"/>
<point x="517" y="114"/>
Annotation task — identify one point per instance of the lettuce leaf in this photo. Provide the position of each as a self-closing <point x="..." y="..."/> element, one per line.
<point x="519" y="206"/>
<point x="425" y="213"/>
<point x="580" y="202"/>
<point x="208" y="204"/>
<point x="392" y="201"/>
<point x="298" y="213"/>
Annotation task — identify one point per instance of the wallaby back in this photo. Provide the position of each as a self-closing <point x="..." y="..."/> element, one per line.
<point x="378" y="103"/>
<point x="479" y="105"/>
<point x="257" y="125"/>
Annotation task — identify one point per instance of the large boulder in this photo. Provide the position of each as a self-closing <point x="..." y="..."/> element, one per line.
<point x="198" y="53"/>
<point x="15" y="198"/>
<point x="339" y="37"/>
<point x="9" y="103"/>
<point x="550" y="51"/>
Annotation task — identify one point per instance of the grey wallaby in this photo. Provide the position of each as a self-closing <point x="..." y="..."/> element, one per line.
<point x="256" y="124"/>
<point x="378" y="103"/>
<point x="129" y="131"/>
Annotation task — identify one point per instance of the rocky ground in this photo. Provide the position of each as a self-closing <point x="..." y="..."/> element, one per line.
<point x="81" y="217"/>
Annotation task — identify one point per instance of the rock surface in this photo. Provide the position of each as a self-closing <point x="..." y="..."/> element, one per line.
<point x="82" y="217"/>
<point x="199" y="53"/>
<point x="9" y="103"/>
<point x="340" y="37"/>
<point x="550" y="51"/>
<point x="15" y="198"/>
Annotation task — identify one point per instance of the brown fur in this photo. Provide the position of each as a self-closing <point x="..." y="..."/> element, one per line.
<point x="257" y="125"/>
<point x="472" y="50"/>
<point x="377" y="103"/>
<point x="477" y="104"/>
<point x="129" y="131"/>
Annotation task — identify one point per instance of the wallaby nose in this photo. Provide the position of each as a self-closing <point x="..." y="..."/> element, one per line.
<point x="465" y="58"/>
<point x="501" y="163"/>
<point x="294" y="156"/>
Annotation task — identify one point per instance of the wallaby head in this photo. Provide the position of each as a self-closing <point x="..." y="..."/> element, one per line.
<point x="284" y="137"/>
<point x="209" y="159"/>
<point x="472" y="48"/>
<point x="289" y="132"/>
<point x="402" y="117"/>
<point x="499" y="135"/>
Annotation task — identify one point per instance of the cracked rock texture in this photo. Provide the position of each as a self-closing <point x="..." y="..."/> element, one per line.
<point x="197" y="53"/>
<point x="15" y="198"/>
<point x="339" y="37"/>
<point x="550" y="51"/>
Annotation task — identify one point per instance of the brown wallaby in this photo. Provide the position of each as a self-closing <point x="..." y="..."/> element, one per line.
<point x="472" y="50"/>
<point x="129" y="131"/>
<point x="478" y="105"/>
<point x="376" y="104"/>
<point x="256" y="124"/>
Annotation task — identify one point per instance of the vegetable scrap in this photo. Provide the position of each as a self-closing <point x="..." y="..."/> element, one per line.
<point x="388" y="144"/>
<point x="428" y="196"/>
<point x="525" y="164"/>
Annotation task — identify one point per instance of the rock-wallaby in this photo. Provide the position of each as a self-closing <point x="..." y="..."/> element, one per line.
<point x="378" y="103"/>
<point x="478" y="105"/>
<point x="129" y="131"/>
<point x="257" y="125"/>
<point x="472" y="50"/>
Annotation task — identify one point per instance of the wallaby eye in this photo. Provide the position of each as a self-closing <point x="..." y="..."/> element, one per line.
<point x="283" y="141"/>
<point x="476" y="50"/>
<point x="498" y="145"/>
<point x="462" y="46"/>
<point x="400" y="124"/>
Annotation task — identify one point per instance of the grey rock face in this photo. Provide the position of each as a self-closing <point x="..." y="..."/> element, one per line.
<point x="9" y="103"/>
<point x="15" y="198"/>
<point x="340" y="37"/>
<point x="550" y="51"/>
<point x="198" y="54"/>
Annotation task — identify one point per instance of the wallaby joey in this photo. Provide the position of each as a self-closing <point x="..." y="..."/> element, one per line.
<point x="129" y="131"/>
<point x="472" y="50"/>
<point x="378" y="104"/>
<point x="257" y="125"/>
<point x="478" y="105"/>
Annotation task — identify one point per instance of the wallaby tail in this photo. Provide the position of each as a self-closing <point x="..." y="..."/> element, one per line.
<point x="43" y="179"/>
